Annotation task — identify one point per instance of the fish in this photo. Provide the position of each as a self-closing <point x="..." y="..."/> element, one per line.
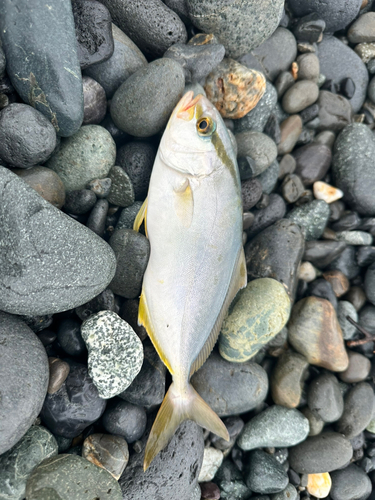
<point x="193" y="219"/>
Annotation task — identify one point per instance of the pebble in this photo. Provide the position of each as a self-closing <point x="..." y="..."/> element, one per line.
<point x="322" y="253"/>
<point x="259" y="312"/>
<point x="319" y="485"/>
<point x="268" y="178"/>
<point x="323" y="289"/>
<point x="142" y="105"/>
<point x="346" y="263"/>
<point x="287" y="166"/>
<point x="234" y="426"/>
<point x="315" y="422"/>
<point x="265" y="217"/>
<point x="45" y="182"/>
<point x="108" y="452"/>
<point x="357" y="297"/>
<point x="265" y="474"/>
<point x="95" y="102"/>
<point x="290" y="493"/>
<point x="370" y="283"/>
<point x="366" y="51"/>
<point x="125" y="419"/>
<point x="358" y="410"/>
<point x="301" y="95"/>
<point x="257" y="118"/>
<point x="121" y="192"/>
<point x="283" y="82"/>
<point x="58" y="372"/>
<point x="365" y="256"/>
<point x="362" y="30"/>
<point x="355" y="237"/>
<point x="251" y="191"/>
<point x="70" y="477"/>
<point x="70" y="338"/>
<point x="326" y="452"/>
<point x="2" y="63"/>
<point x="358" y="370"/>
<point x="287" y="379"/>
<point x="17" y="463"/>
<point x="326" y="192"/>
<point x="230" y="388"/>
<point x="79" y="202"/>
<point x="348" y="221"/>
<point x="338" y="280"/>
<point x="228" y="20"/>
<point x="97" y="218"/>
<point x="290" y="131"/>
<point x="212" y="459"/>
<point x="100" y="187"/>
<point x="23" y="358"/>
<point x="292" y="188"/>
<point x="307" y="272"/>
<point x="129" y="312"/>
<point x="308" y="67"/>
<point x="344" y="309"/>
<point x="234" y="89"/>
<point x="311" y="217"/>
<point x="209" y="491"/>
<point x="312" y="162"/>
<point x="324" y="398"/>
<point x="259" y="147"/>
<point x="231" y="483"/>
<point x="335" y="112"/>
<point x="350" y="483"/>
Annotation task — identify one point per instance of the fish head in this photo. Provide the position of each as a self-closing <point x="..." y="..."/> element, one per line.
<point x="196" y="141"/>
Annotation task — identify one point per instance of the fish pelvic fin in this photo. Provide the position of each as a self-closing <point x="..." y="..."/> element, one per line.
<point x="141" y="216"/>
<point x="175" y="409"/>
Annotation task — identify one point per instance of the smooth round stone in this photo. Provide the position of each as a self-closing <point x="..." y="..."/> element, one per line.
<point x="346" y="262"/>
<point x="79" y="202"/>
<point x="45" y="182"/>
<point x="142" y="105"/>
<point x="344" y="309"/>
<point x="228" y="20"/>
<point x="230" y="388"/>
<point x="251" y="191"/>
<point x="292" y="188"/>
<point x="265" y="217"/>
<point x="319" y="485"/>
<point x="335" y="112"/>
<point x="94" y="101"/>
<point x="70" y="338"/>
<point x="74" y="406"/>
<point x="26" y="136"/>
<point x="24" y="379"/>
<point x="315" y="422"/>
<point x="265" y="474"/>
<point x="259" y="312"/>
<point x="322" y="253"/>
<point x="70" y="477"/>
<point x="287" y="379"/>
<point x="315" y="332"/>
<point x="324" y="398"/>
<point x="58" y="372"/>
<point x="122" y="191"/>
<point x="268" y="178"/>
<point x="323" y="453"/>
<point x="111" y="453"/>
<point x="126" y="420"/>
<point x="357" y="297"/>
<point x="308" y="67"/>
<point x="290" y="493"/>
<point x="212" y="459"/>
<point x="363" y="29"/>
<point x="274" y="427"/>
<point x="323" y="191"/>
<point x="355" y="237"/>
<point x="115" y="352"/>
<point x="338" y="281"/>
<point x="283" y="82"/>
<point x="312" y="162"/>
<point x="301" y="95"/>
<point x="97" y="218"/>
<point x="16" y="464"/>
<point x="351" y="483"/>
<point x="311" y="217"/>
<point x="259" y="147"/>
<point x="358" y="370"/>
<point x="307" y="272"/>
<point x="290" y="131"/>
<point x="323" y="289"/>
<point x="358" y="410"/>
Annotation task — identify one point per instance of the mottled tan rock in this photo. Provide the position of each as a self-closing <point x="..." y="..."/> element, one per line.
<point x="58" y="372"/>
<point x="108" y="452"/>
<point x="366" y="51"/>
<point x="319" y="485"/>
<point x="338" y="280"/>
<point x="326" y="192"/>
<point x="314" y="331"/>
<point x="290" y="130"/>
<point x="287" y="379"/>
<point x="234" y="89"/>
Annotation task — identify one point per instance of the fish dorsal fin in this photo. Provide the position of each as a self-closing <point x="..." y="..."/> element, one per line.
<point x="184" y="203"/>
<point x="145" y="320"/>
<point x="141" y="216"/>
<point x="238" y="281"/>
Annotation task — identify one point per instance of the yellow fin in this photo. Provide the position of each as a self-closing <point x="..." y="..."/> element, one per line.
<point x="141" y="215"/>
<point x="238" y="281"/>
<point x="184" y="203"/>
<point x="176" y="408"/>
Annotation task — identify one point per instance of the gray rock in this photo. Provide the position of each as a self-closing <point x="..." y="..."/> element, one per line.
<point x="230" y="388"/>
<point x="290" y="493"/>
<point x="124" y="419"/>
<point x="239" y="27"/>
<point x="45" y="71"/>
<point x="371" y="90"/>
<point x="101" y="187"/>
<point x="259" y="147"/>
<point x="355" y="237"/>
<point x="257" y="118"/>
<point x="351" y="483"/>
<point x="24" y="374"/>
<point x="358" y="369"/>
<point x="265" y="217"/>
<point x="312" y="162"/>
<point x="2" y="63"/>
<point x="362" y="30"/>
<point x="79" y="202"/>
<point x="287" y="379"/>
<point x="17" y="464"/>
<point x="122" y="191"/>
<point x="98" y="216"/>
<point x="358" y="410"/>
<point x="301" y="95"/>
<point x="335" y="112"/>
<point x="276" y="426"/>
<point x="231" y="483"/>
<point x="316" y="423"/>
<point x="94" y="100"/>
<point x="142" y="104"/>
<point x="324" y="397"/>
<point x="308" y="67"/>
<point x="63" y="263"/>
<point x="265" y="474"/>
<point x="128" y="215"/>
<point x="111" y="453"/>
<point x="346" y="262"/>
<point x="63" y="443"/>
<point x="268" y="178"/>
<point x="344" y="309"/>
<point x="125" y="60"/>
<point x="352" y="167"/>
<point x="311" y="217"/>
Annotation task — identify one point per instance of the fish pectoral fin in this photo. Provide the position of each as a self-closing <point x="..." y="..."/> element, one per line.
<point x="141" y="216"/>
<point x="238" y="281"/>
<point x="173" y="411"/>
<point x="184" y="202"/>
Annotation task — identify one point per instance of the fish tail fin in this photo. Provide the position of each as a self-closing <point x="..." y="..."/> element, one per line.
<point x="174" y="409"/>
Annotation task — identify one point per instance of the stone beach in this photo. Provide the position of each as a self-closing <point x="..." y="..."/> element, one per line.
<point x="83" y="105"/>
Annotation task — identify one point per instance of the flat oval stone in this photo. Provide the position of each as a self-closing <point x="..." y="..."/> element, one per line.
<point x="111" y="453"/>
<point x="358" y="410"/>
<point x="230" y="388"/>
<point x="126" y="420"/>
<point x="324" y="397"/>
<point x="257" y="314"/>
<point x="301" y="95"/>
<point x="312" y="162"/>
<point x="45" y="182"/>
<point x="362" y="30"/>
<point x="290" y="130"/>
<point x="287" y="379"/>
<point x="45" y="71"/>
<point x="322" y="252"/>
<point x="79" y="202"/>
<point x="58" y="372"/>
<point x="350" y="483"/>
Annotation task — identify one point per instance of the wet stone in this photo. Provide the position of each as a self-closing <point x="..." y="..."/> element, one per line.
<point x="108" y="452"/>
<point x="311" y="217"/>
<point x="349" y="483"/>
<point x="45" y="182"/>
<point x="344" y="309"/>
<point x="265" y="474"/>
<point x="312" y="162"/>
<point x="290" y="131"/>
<point x="126" y="420"/>
<point x="79" y="202"/>
<point x="70" y="338"/>
<point x="287" y="379"/>
<point x="58" y="372"/>
<point x="358" y="410"/>
<point x="348" y="221"/>
<point x="301" y="95"/>
<point x="324" y="398"/>
<point x="95" y="101"/>
<point x="265" y="217"/>
<point x="358" y="369"/>
<point x="322" y="253"/>
<point x="259" y="147"/>
<point x="309" y="28"/>
<point x="121" y="191"/>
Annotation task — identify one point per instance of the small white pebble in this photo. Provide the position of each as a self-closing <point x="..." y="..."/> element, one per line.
<point x="307" y="272"/>
<point x="212" y="459"/>
<point x="319" y="485"/>
<point x="326" y="192"/>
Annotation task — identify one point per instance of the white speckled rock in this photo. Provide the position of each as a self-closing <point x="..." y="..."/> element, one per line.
<point x="115" y="352"/>
<point x="212" y="459"/>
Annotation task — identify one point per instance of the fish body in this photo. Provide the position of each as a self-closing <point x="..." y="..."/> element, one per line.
<point x="193" y="218"/>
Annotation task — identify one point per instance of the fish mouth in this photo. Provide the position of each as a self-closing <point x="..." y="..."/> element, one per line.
<point x="187" y="106"/>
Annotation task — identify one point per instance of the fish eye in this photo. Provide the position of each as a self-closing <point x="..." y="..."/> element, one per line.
<point x="205" y="126"/>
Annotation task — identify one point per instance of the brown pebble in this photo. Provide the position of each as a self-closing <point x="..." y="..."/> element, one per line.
<point x="290" y="130"/>
<point x="108" y="452"/>
<point x="358" y="369"/>
<point x="287" y="379"/>
<point x="58" y="372"/>
<point x="45" y="182"/>
<point x="329" y="234"/>
<point x="209" y="491"/>
<point x="356" y="296"/>
<point x="338" y="280"/>
<point x="294" y="70"/>
<point x="203" y="39"/>
<point x="234" y="89"/>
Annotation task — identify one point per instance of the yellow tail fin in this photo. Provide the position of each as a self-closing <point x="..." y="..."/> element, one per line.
<point x="176" y="408"/>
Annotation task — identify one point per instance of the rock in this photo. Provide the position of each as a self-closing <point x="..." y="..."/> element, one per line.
<point x="335" y="112"/>
<point x="349" y="483"/>
<point x="129" y="312"/>
<point x="322" y="253"/>
<point x="265" y="217"/>
<point x="26" y="136"/>
<point x="274" y="427"/>
<point x="307" y="272"/>
<point x="324" y="398"/>
<point x="319" y="485"/>
<point x="268" y="178"/>
<point x="308" y="67"/>
<point x="122" y="191"/>
<point x="234" y="89"/>
<point x="339" y="282"/>
<point x="234" y="426"/>
<point x="257" y="118"/>
<point x="283" y="82"/>
<point x="287" y="379"/>
<point x="2" y="63"/>
<point x="345" y="309"/>
<point x="312" y="162"/>
<point x="329" y="194"/>
<point x="323" y="289"/>
<point x="358" y="369"/>
<point x="362" y="30"/>
<point x="301" y="95"/>
<point x="315" y="422"/>
<point x="94" y="101"/>
<point x="370" y="283"/>
<point x="311" y="217"/>
<point x="265" y="474"/>
<point x="258" y="313"/>
<point x="290" y="130"/>
<point x="70" y="338"/>
<point x="79" y="202"/>
<point x="366" y="51"/>
<point x="142" y="105"/>
<point x="209" y="491"/>
<point x="348" y="221"/>
<point x="357" y="297"/>
<point x="115" y="352"/>
<point x="172" y="474"/>
<point x="276" y="253"/>
<point x="74" y="406"/>
<point x="230" y="388"/>
<point x="125" y="60"/>
<point x="290" y="493"/>
<point x="93" y="31"/>
<point x="339" y="61"/>
<point x="231" y="483"/>
<point x="107" y="452"/>
<point x="17" y="464"/>
<point x="45" y="182"/>
<point x="251" y="191"/>
<point x="98" y="216"/>
<point x="212" y="459"/>
<point x="365" y="256"/>
<point x="141" y="22"/>
<point x="346" y="263"/>
<point x="355" y="237"/>
<point x="292" y="188"/>
<point x="326" y="452"/>
<point x="86" y="481"/>
<point x="100" y="187"/>
<point x="234" y="24"/>
<point x="126" y="420"/>
<point x="45" y="72"/>
<point x="259" y="147"/>
<point x="58" y="371"/>
<point x="313" y="330"/>
<point x="358" y="410"/>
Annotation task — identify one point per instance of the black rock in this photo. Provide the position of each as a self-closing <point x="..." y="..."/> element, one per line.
<point x="95" y="101"/>
<point x="137" y="159"/>
<point x="93" y="31"/>
<point x="128" y="215"/>
<point x="70" y="338"/>
<point x="105" y="301"/>
<point x="330" y="85"/>
<point x="323" y="289"/>
<point x="24" y="375"/>
<point x="347" y="222"/>
<point x="124" y="419"/>
<point x="309" y="113"/>
<point x="38" y="323"/>
<point x="251" y="191"/>
<point x="365" y="256"/>
<point x="272" y="128"/>
<point x="268" y="179"/>
<point x="309" y="28"/>
<point x="350" y="483"/>
<point x="346" y="263"/>
<point x="335" y="112"/>
<point x="265" y="217"/>
<point x="265" y="474"/>
<point x="322" y="253"/>
<point x="368" y="224"/>
<point x="370" y="283"/>
<point x="312" y="162"/>
<point x="347" y="88"/>
<point x="97" y="217"/>
<point x="47" y="337"/>
<point x="74" y="406"/>
<point x="358" y="410"/>
<point x="79" y="202"/>
<point x="45" y="71"/>
<point x="324" y="398"/>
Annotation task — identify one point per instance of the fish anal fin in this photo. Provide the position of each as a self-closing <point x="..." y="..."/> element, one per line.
<point x="184" y="203"/>
<point x="141" y="216"/>
<point x="238" y="281"/>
